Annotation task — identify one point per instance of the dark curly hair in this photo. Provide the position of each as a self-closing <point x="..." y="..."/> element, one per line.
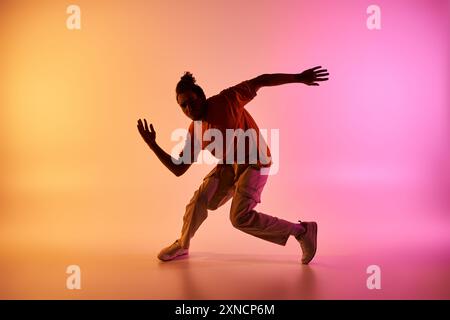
<point x="187" y="83"/>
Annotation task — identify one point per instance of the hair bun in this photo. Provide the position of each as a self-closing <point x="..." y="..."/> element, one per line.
<point x="188" y="77"/>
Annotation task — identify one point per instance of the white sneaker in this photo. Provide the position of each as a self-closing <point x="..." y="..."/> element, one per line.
<point x="172" y="251"/>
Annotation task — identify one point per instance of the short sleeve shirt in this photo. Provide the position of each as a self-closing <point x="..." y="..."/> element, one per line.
<point x="227" y="120"/>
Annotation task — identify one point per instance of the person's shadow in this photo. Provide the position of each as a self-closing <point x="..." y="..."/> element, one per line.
<point x="276" y="277"/>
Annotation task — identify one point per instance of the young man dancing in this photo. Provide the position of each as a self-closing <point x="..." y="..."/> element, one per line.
<point x="238" y="175"/>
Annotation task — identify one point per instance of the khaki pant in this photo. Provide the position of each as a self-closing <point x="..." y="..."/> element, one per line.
<point x="244" y="184"/>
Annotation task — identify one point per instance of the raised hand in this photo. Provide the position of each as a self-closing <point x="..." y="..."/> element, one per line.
<point x="149" y="136"/>
<point x="311" y="76"/>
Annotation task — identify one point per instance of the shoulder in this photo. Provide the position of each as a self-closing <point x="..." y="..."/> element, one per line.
<point x="246" y="87"/>
<point x="242" y="92"/>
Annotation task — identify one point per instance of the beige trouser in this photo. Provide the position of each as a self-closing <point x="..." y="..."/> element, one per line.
<point x="244" y="184"/>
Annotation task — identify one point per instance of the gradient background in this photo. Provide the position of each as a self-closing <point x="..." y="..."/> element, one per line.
<point x="365" y="154"/>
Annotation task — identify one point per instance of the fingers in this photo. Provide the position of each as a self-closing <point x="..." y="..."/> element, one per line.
<point x="318" y="69"/>
<point x="314" y="75"/>
<point x="140" y="126"/>
<point x="143" y="127"/>
<point x="321" y="75"/>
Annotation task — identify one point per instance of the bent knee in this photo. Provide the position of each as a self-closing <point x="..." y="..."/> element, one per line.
<point x="212" y="206"/>
<point x="240" y="220"/>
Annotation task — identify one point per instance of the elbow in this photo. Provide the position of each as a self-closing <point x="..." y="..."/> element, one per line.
<point x="179" y="170"/>
<point x="259" y="82"/>
<point x="178" y="173"/>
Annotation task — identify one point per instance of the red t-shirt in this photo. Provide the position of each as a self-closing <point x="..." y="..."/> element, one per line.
<point x="225" y="115"/>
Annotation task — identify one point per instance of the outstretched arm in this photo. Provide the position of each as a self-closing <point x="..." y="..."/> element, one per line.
<point x="309" y="77"/>
<point x="149" y="137"/>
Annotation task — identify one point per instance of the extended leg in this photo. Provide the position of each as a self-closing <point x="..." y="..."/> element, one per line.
<point x="243" y="216"/>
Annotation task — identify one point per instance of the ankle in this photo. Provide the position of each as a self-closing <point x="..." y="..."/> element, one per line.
<point x="298" y="229"/>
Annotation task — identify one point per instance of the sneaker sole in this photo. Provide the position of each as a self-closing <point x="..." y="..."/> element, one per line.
<point x="172" y="258"/>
